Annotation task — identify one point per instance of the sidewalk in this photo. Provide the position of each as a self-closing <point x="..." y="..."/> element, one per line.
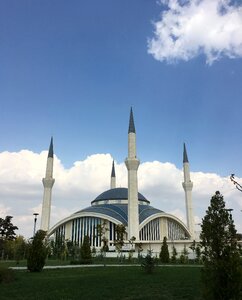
<point x="101" y="265"/>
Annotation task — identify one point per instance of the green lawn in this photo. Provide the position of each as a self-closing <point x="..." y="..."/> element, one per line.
<point x="105" y="283"/>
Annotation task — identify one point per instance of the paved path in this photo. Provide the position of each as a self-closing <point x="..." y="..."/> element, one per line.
<point x="101" y="265"/>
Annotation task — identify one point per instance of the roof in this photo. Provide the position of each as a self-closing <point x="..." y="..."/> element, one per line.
<point x="120" y="211"/>
<point x="117" y="194"/>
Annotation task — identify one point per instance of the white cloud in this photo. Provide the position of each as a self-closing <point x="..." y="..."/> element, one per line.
<point x="189" y="28"/>
<point x="4" y="210"/>
<point x="21" y="188"/>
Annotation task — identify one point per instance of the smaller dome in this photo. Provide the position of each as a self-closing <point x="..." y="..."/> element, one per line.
<point x="117" y="194"/>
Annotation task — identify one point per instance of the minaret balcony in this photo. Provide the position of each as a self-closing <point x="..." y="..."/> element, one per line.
<point x="132" y="163"/>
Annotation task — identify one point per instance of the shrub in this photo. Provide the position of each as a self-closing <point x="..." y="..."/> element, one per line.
<point x="37" y="252"/>
<point x="86" y="255"/>
<point x="148" y="263"/>
<point x="184" y="256"/>
<point x="174" y="254"/>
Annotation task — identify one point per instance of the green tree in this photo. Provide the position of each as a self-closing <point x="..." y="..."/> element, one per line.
<point x="86" y="254"/>
<point x="101" y="232"/>
<point x="164" y="253"/>
<point x="58" y="246"/>
<point x="198" y="253"/>
<point x="19" y="248"/>
<point x="174" y="254"/>
<point x="119" y="241"/>
<point x="148" y="263"/>
<point x="37" y="252"/>
<point x="7" y="233"/>
<point x="184" y="256"/>
<point x="7" y="229"/>
<point x="221" y="275"/>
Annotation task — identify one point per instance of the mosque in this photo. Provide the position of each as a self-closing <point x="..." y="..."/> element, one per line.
<point x="145" y="225"/>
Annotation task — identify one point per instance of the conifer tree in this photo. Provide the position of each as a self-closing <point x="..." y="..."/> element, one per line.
<point x="174" y="254"/>
<point x="221" y="275"/>
<point x="164" y="254"/>
<point x="86" y="254"/>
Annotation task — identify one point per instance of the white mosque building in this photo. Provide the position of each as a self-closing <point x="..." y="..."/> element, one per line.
<point x="146" y="225"/>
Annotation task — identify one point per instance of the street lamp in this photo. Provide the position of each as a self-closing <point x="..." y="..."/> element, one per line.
<point x="35" y="220"/>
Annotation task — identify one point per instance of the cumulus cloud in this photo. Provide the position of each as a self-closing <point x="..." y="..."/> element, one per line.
<point x="21" y="189"/>
<point x="192" y="27"/>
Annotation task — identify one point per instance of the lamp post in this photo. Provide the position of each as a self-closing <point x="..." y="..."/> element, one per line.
<point x="35" y="220"/>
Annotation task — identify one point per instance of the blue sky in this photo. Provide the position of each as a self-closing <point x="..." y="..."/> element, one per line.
<point x="74" y="69"/>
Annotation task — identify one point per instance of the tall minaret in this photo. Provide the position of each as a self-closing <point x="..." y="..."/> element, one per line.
<point x="48" y="183"/>
<point x="187" y="185"/>
<point x="132" y="164"/>
<point x="113" y="178"/>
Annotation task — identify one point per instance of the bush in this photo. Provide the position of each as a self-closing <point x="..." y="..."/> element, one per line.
<point x="6" y="275"/>
<point x="86" y="249"/>
<point x="174" y="255"/>
<point x="148" y="263"/>
<point x="37" y="252"/>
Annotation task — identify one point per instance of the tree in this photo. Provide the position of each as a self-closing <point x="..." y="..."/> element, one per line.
<point x="19" y="248"/>
<point x="7" y="229"/>
<point x="101" y="231"/>
<point x="120" y="232"/>
<point x="164" y="253"/>
<point x="174" y="254"/>
<point x="148" y="263"/>
<point x="221" y="275"/>
<point x="86" y="255"/>
<point x="7" y="233"/>
<point x="184" y="255"/>
<point x="58" y="246"/>
<point x="37" y="252"/>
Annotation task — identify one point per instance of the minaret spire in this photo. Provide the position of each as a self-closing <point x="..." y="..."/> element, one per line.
<point x="48" y="183"/>
<point x="185" y="158"/>
<point x="132" y="164"/>
<point x="188" y="185"/>
<point x="51" y="151"/>
<point x="131" y="122"/>
<point x="113" y="177"/>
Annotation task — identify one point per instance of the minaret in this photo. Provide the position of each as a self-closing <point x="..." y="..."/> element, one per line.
<point x="48" y="183"/>
<point x="113" y="178"/>
<point x="132" y="164"/>
<point x="188" y="185"/>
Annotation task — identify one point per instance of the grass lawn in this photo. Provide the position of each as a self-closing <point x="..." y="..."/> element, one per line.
<point x="105" y="283"/>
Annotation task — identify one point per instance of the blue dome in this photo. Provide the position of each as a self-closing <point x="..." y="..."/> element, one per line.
<point x="117" y="194"/>
<point x="120" y="211"/>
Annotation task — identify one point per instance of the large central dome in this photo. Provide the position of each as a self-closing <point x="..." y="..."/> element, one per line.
<point x="117" y="195"/>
